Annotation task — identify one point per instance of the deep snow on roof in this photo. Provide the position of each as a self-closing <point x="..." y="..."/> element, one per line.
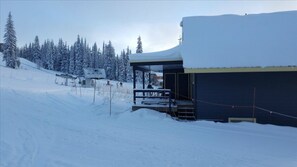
<point x="257" y="40"/>
<point x="172" y="54"/>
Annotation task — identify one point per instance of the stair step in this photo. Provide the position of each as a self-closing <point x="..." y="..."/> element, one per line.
<point x="185" y="108"/>
<point x="193" y="117"/>
<point x="186" y="112"/>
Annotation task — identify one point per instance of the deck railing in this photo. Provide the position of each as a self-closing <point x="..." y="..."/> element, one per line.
<point x="153" y="93"/>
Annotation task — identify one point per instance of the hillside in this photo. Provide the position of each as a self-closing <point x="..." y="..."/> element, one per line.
<point x="47" y="124"/>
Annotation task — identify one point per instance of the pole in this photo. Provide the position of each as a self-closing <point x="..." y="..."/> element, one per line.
<point x="94" y="91"/>
<point x="110" y="100"/>
<point x="254" y="101"/>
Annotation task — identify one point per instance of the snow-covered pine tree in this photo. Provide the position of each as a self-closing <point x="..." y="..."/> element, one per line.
<point x="72" y="60"/>
<point x="86" y="54"/>
<point x="37" y="52"/>
<point x="43" y="50"/>
<point x="96" y="57"/>
<point x="127" y="66"/>
<point x="139" y="50"/>
<point x="117" y="67"/>
<point x="64" y="57"/>
<point x="49" y="55"/>
<point x="10" y="48"/>
<point x="78" y="57"/>
<point x="139" y="45"/>
<point x="56" y="60"/>
<point x="122" y="69"/>
<point x="109" y="57"/>
<point x="30" y="52"/>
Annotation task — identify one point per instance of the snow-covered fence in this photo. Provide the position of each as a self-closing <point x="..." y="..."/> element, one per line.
<point x="117" y="91"/>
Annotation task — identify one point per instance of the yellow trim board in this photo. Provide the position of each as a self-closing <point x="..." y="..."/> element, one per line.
<point x="233" y="119"/>
<point x="240" y="69"/>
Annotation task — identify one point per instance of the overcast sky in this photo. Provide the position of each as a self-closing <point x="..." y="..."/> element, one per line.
<point x="157" y="22"/>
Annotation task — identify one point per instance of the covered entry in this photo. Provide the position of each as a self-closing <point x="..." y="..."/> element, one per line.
<point x="174" y="95"/>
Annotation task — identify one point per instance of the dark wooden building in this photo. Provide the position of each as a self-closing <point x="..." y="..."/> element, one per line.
<point x="230" y="68"/>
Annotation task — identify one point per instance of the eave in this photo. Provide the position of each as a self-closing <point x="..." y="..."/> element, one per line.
<point x="241" y="69"/>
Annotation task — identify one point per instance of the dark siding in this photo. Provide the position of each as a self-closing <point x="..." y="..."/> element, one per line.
<point x="169" y="82"/>
<point x="274" y="91"/>
<point x="179" y="83"/>
<point x="183" y="86"/>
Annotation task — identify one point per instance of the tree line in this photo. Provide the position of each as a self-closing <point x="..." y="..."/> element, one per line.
<point x="72" y="59"/>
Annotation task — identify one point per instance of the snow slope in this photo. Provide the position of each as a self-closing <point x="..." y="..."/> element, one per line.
<point x="44" y="124"/>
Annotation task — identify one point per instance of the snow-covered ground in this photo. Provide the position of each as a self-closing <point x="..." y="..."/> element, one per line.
<point x="50" y="125"/>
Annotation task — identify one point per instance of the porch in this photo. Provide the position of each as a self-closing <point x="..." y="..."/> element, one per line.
<point x="160" y="100"/>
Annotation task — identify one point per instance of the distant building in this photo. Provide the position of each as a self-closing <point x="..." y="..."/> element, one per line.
<point x="92" y="73"/>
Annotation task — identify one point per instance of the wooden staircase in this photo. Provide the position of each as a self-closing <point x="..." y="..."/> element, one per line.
<point x="185" y="110"/>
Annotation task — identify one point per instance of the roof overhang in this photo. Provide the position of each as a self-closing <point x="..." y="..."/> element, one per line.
<point x="241" y="69"/>
<point x="170" y="55"/>
<point x="157" y="66"/>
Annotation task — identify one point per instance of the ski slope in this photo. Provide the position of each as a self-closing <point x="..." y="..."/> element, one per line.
<point x="51" y="125"/>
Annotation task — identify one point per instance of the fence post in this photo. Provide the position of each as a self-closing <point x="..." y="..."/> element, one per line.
<point x="110" y="100"/>
<point x="254" y="101"/>
<point x="94" y="91"/>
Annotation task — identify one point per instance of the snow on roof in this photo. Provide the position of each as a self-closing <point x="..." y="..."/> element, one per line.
<point x="94" y="73"/>
<point x="257" y="40"/>
<point x="172" y="54"/>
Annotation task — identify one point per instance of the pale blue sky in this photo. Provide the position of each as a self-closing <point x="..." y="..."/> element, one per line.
<point x="157" y="22"/>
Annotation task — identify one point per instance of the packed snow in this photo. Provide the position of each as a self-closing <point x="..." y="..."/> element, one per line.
<point x="48" y="124"/>
<point x="172" y="54"/>
<point x="252" y="40"/>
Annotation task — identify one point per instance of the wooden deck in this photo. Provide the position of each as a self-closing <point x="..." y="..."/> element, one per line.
<point x="157" y="107"/>
<point x="183" y="110"/>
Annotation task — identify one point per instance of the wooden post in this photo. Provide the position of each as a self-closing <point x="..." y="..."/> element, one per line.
<point x="109" y="100"/>
<point x="94" y="92"/>
<point x="134" y="78"/>
<point x="254" y="102"/>
<point x="134" y="85"/>
<point x="134" y="98"/>
<point x="143" y="79"/>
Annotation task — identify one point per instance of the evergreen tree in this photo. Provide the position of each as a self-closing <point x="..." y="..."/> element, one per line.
<point x="128" y="67"/>
<point x="78" y="57"/>
<point x="95" y="57"/>
<point x="139" y="45"/>
<point x="37" y="52"/>
<point x="63" y="52"/>
<point x="30" y="52"/>
<point x="72" y="61"/>
<point x="117" y="67"/>
<point x="139" y="50"/>
<point x="109" y="59"/>
<point x="122" y="68"/>
<point x="10" y="47"/>
<point x="86" y="55"/>
<point x="48" y="57"/>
